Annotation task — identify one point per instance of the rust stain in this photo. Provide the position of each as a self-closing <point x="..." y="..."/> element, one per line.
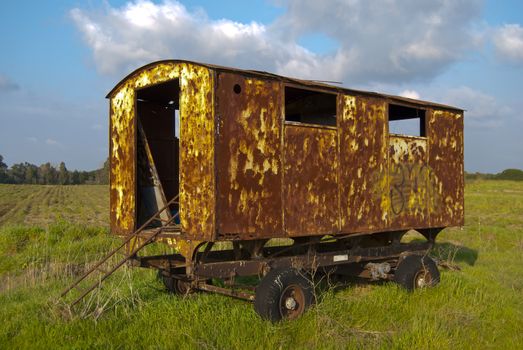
<point x="122" y="151"/>
<point x="445" y="135"/>
<point x="197" y="147"/>
<point x="249" y="157"/>
<point x="364" y="200"/>
<point x="197" y="181"/>
<point x="275" y="179"/>
<point x="310" y="181"/>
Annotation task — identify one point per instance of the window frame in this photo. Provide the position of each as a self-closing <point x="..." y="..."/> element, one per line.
<point x="423" y="119"/>
<point x="305" y="124"/>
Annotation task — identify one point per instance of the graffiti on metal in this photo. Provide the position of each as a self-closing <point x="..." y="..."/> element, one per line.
<point x="246" y="172"/>
<point x="407" y="181"/>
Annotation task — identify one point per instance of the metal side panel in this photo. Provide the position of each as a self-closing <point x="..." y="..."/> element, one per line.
<point x="249" y="157"/>
<point x="197" y="199"/>
<point x="410" y="182"/>
<point x="310" y="186"/>
<point x="445" y="132"/>
<point x="364" y="195"/>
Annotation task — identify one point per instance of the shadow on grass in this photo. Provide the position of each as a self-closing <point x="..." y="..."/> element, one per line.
<point x="453" y="253"/>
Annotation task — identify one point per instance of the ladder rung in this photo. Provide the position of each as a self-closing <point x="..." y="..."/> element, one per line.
<point x="77" y="287"/>
<point x="101" y="270"/>
<point x="122" y="250"/>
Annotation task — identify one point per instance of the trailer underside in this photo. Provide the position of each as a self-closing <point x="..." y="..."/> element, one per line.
<point x="371" y="257"/>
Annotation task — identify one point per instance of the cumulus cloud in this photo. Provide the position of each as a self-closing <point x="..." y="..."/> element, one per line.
<point x="378" y="41"/>
<point x="508" y="42"/>
<point x="482" y="110"/>
<point x="389" y="40"/>
<point x="142" y="31"/>
<point x="7" y="84"/>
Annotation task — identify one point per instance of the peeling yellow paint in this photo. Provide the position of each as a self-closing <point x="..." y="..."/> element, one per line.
<point x="196" y="147"/>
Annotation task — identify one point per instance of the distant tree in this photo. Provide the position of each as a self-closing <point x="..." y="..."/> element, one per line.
<point x="63" y="174"/>
<point x="3" y="166"/>
<point x="47" y="174"/>
<point x="31" y="174"/>
<point x="17" y="173"/>
<point x="102" y="175"/>
<point x="4" y="176"/>
<point x="75" y="177"/>
<point x="510" y="174"/>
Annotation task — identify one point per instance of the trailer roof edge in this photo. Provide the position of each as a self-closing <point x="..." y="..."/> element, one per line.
<point x="302" y="82"/>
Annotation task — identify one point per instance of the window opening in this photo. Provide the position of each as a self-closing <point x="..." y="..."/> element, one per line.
<point x="406" y="121"/>
<point x="310" y="107"/>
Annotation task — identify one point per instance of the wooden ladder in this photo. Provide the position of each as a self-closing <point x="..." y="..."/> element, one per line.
<point x="102" y="272"/>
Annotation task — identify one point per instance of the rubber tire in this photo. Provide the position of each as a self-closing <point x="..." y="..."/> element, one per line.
<point x="269" y="291"/>
<point x="175" y="286"/>
<point x="410" y="266"/>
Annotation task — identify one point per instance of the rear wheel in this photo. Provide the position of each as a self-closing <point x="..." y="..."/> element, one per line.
<point x="283" y="294"/>
<point x="416" y="272"/>
<point x="176" y="285"/>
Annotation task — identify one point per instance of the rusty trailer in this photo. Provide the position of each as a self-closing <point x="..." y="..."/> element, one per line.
<point x="269" y="176"/>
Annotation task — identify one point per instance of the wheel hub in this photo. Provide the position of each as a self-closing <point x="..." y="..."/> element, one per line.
<point x="290" y="303"/>
<point x="422" y="279"/>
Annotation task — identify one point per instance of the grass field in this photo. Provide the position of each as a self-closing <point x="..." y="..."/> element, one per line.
<point x="41" y="205"/>
<point x="48" y="234"/>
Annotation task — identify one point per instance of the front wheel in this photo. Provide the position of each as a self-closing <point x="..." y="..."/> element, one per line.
<point x="283" y="294"/>
<point x="416" y="272"/>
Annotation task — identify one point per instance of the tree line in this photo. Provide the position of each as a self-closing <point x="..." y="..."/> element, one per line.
<point x="507" y="174"/>
<point x="48" y="174"/>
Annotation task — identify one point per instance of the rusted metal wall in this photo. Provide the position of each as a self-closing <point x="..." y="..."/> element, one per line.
<point x="249" y="157"/>
<point x="122" y="159"/>
<point x="276" y="178"/>
<point x="409" y="182"/>
<point x="197" y="197"/>
<point x="445" y="137"/>
<point x="364" y="200"/>
<point x="310" y="186"/>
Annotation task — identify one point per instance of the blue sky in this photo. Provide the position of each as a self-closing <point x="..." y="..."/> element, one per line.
<point x="60" y="58"/>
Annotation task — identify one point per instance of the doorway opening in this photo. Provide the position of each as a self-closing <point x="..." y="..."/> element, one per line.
<point x="158" y="150"/>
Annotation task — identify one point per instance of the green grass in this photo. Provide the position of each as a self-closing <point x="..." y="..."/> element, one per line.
<point x="42" y="249"/>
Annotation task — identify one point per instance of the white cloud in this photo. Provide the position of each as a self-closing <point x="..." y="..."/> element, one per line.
<point x="140" y="32"/>
<point x="410" y="94"/>
<point x="389" y="40"/>
<point x="379" y="41"/>
<point x="482" y="110"/>
<point x="32" y="139"/>
<point x="508" y="41"/>
<point x="6" y="84"/>
<point x="52" y="142"/>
